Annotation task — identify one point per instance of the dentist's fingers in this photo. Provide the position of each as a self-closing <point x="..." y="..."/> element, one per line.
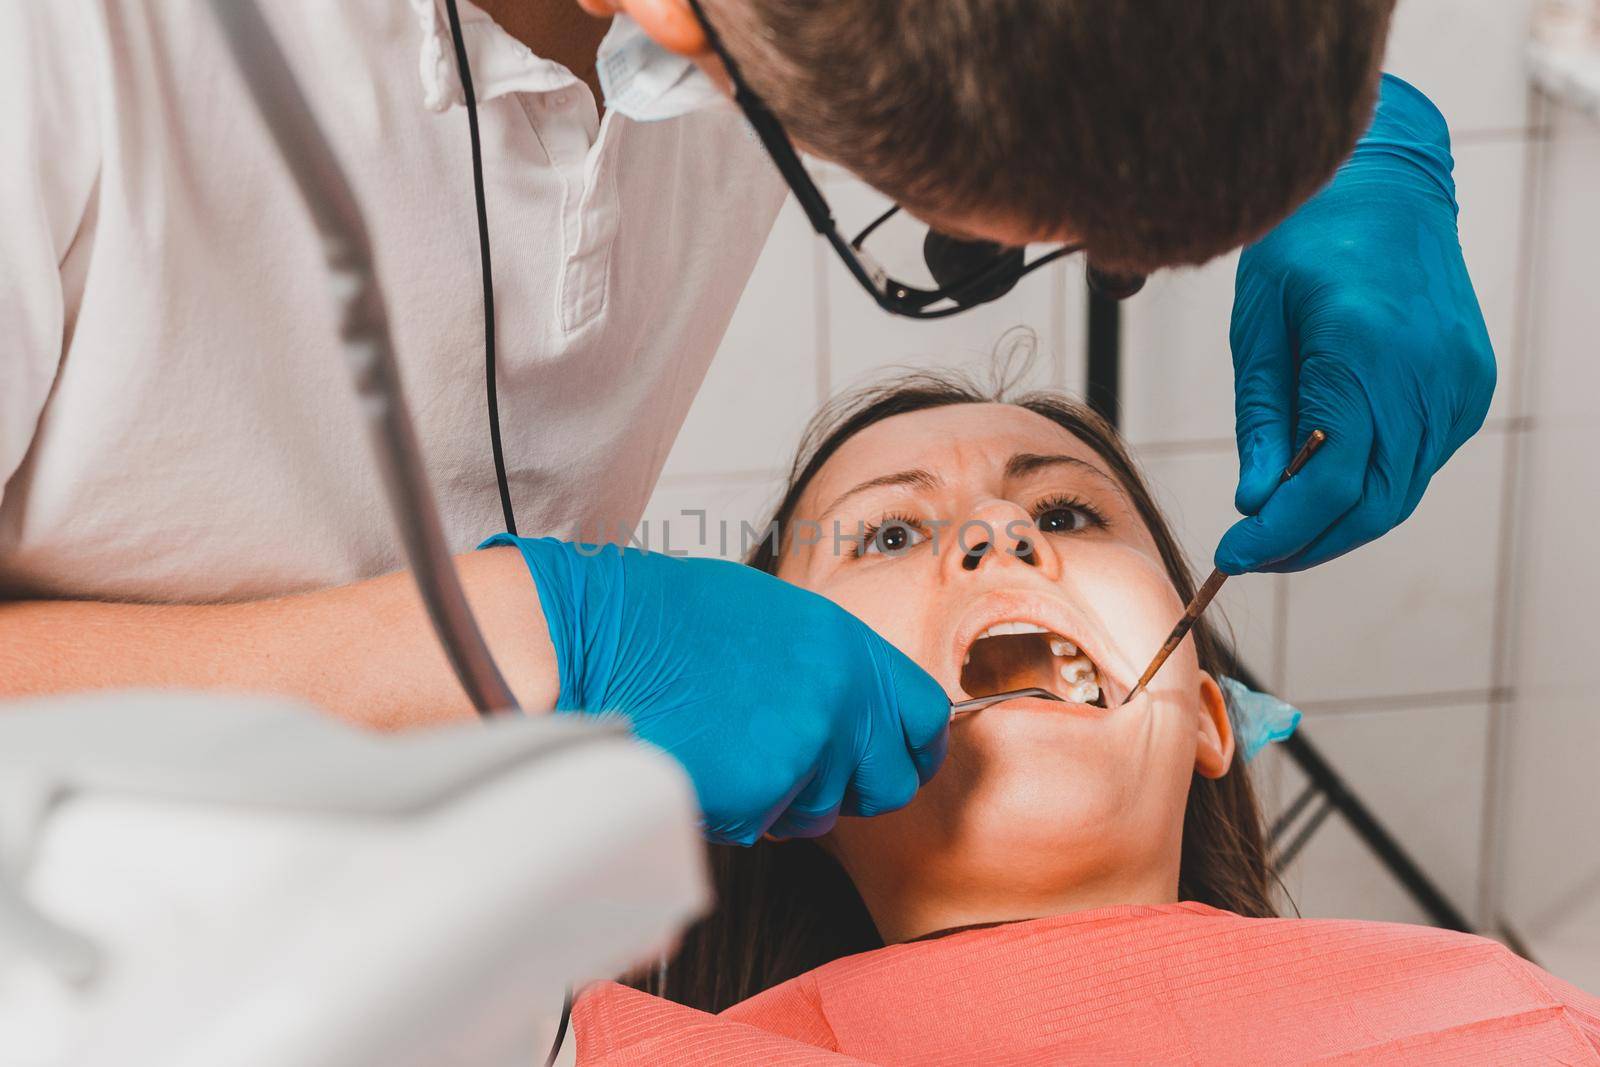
<point x="889" y="784"/>
<point x="922" y="709"/>
<point x="815" y="809"/>
<point x="1396" y="478"/>
<point x="1265" y="368"/>
<point x="1314" y="501"/>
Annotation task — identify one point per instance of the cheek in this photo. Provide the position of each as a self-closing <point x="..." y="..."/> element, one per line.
<point x="1127" y="598"/>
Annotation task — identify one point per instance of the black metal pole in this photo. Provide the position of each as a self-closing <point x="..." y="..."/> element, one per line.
<point x="1360" y="818"/>
<point x="1383" y="845"/>
<point x="1103" y="387"/>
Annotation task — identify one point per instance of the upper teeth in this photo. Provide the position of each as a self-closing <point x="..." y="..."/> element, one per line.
<point x="1076" y="670"/>
<point x="1006" y="629"/>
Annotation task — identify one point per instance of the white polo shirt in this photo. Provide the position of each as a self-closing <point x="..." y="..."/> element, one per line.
<point x="176" y="418"/>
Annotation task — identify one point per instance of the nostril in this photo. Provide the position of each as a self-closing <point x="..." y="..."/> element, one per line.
<point x="974" y="556"/>
<point x="1024" y="551"/>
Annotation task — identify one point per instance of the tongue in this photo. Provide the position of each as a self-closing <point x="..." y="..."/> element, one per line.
<point x="1015" y="661"/>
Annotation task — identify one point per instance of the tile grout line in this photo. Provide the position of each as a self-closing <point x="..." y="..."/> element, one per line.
<point x="1495" y="135"/>
<point x="1280" y="620"/>
<point x="1501" y="739"/>
<point x="1401" y="702"/>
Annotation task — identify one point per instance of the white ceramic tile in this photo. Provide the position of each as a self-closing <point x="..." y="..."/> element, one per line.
<point x="1566" y="261"/>
<point x="1550" y="856"/>
<point x="672" y="521"/>
<point x="1177" y="363"/>
<point x="763" y="384"/>
<point x="866" y="342"/>
<point x="1491" y="185"/>
<point x="1467" y="55"/>
<point x="1421" y="773"/>
<point x="1338" y="878"/>
<point x="1571" y="949"/>
<point x="1195" y="491"/>
<point x="1412" y="612"/>
<point x="1177" y="368"/>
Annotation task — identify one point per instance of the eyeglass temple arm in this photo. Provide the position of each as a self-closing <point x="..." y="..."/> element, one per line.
<point x="771" y="132"/>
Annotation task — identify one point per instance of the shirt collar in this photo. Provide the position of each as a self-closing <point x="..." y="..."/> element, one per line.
<point x="500" y="63"/>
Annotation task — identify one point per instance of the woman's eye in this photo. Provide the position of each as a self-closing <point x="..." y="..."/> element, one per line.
<point x="891" y="539"/>
<point x="1064" y="519"/>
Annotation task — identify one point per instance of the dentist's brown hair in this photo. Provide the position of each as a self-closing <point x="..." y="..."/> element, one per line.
<point x="784" y="908"/>
<point x="1157" y="132"/>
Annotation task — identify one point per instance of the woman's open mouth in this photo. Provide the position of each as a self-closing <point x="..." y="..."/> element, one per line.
<point x="1023" y="655"/>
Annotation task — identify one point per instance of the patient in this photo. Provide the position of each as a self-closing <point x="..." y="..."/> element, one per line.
<point x="1082" y="881"/>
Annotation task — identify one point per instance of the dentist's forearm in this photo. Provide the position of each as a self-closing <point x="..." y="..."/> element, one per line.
<point x="365" y="652"/>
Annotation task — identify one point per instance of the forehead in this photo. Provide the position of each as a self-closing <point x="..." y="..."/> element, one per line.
<point x="959" y="441"/>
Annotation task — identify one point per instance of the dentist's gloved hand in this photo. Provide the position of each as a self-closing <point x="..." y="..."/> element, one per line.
<point x="785" y="709"/>
<point x="1355" y="316"/>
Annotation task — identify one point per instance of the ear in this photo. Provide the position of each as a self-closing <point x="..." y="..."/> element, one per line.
<point x="1213" y="752"/>
<point x="671" y="23"/>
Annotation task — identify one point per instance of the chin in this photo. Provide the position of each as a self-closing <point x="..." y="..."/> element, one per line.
<point x="1063" y="781"/>
<point x="1033" y="795"/>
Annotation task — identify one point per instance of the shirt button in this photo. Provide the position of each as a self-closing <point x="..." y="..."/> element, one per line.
<point x="558" y="100"/>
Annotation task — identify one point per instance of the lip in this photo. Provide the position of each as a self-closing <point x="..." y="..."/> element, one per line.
<point x="1052" y="614"/>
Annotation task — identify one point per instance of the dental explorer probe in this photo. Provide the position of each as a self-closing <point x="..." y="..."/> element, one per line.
<point x="1202" y="598"/>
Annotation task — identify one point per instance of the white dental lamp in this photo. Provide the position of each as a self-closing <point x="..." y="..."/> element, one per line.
<point x="210" y="880"/>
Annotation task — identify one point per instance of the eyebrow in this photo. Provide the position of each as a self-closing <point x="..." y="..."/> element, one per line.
<point x="1025" y="463"/>
<point x="916" y="478"/>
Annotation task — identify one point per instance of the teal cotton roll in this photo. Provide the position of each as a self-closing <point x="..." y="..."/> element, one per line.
<point x="1258" y="718"/>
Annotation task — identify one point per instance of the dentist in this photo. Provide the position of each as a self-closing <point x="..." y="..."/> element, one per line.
<point x="185" y="494"/>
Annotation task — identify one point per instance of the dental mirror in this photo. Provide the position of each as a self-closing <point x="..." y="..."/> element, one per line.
<point x="979" y="703"/>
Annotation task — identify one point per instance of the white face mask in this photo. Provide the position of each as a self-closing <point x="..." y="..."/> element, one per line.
<point x="646" y="82"/>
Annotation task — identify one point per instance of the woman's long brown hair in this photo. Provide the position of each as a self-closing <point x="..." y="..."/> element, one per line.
<point x="785" y="908"/>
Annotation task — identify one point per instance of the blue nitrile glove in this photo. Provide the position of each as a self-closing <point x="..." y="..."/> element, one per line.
<point x="785" y="709"/>
<point x="1355" y="316"/>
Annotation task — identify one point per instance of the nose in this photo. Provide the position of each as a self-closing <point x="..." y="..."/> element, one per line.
<point x="974" y="556"/>
<point x="999" y="534"/>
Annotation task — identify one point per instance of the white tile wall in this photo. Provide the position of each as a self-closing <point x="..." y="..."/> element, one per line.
<point x="1491" y="186"/>
<point x="1412" y="612"/>
<point x="1420" y="771"/>
<point x="1548" y="854"/>
<point x="1572" y="950"/>
<point x="1467" y="56"/>
<point x="1177" y="366"/>
<point x="1392" y="627"/>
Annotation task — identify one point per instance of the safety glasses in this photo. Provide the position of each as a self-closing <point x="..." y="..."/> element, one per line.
<point x="967" y="272"/>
